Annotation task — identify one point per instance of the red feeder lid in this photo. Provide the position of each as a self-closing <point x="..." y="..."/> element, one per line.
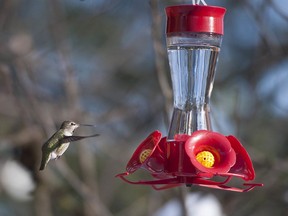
<point x="195" y="18"/>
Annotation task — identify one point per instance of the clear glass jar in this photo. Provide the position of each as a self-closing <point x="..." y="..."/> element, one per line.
<point x="193" y="35"/>
<point x="192" y="59"/>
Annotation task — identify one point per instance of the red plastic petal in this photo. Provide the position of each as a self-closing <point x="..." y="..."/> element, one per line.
<point x="154" y="161"/>
<point x="243" y="166"/>
<point x="215" y="143"/>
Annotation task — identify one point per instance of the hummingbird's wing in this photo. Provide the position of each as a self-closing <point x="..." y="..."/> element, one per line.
<point x="67" y="139"/>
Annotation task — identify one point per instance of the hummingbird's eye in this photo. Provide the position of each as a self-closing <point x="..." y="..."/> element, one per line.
<point x="72" y="123"/>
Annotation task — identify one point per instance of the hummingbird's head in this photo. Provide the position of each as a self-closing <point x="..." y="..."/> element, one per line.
<point x="69" y="125"/>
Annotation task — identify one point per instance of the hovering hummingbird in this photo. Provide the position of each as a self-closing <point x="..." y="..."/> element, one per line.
<point x="54" y="147"/>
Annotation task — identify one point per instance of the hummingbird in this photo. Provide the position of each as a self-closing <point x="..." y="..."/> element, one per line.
<point x="59" y="142"/>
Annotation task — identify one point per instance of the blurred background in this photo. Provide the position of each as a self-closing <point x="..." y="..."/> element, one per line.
<point x="104" y="62"/>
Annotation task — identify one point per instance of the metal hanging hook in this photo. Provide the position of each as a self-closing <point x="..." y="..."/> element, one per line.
<point x="197" y="2"/>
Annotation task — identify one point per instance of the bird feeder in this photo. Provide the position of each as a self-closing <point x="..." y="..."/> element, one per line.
<point x="192" y="154"/>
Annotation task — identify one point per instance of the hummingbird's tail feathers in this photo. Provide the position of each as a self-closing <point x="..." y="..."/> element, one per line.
<point x="44" y="161"/>
<point x="67" y="139"/>
<point x="42" y="166"/>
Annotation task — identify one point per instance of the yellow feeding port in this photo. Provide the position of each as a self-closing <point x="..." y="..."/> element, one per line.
<point x="206" y="158"/>
<point x="144" y="154"/>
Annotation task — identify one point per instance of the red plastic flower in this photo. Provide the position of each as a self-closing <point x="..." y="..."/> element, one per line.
<point x="192" y="160"/>
<point x="148" y="155"/>
<point x="216" y="146"/>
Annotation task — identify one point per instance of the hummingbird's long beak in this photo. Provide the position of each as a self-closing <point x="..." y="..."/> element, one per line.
<point x="88" y="125"/>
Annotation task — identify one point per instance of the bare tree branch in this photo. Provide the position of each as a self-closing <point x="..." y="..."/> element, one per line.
<point x="160" y="56"/>
<point x="91" y="199"/>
